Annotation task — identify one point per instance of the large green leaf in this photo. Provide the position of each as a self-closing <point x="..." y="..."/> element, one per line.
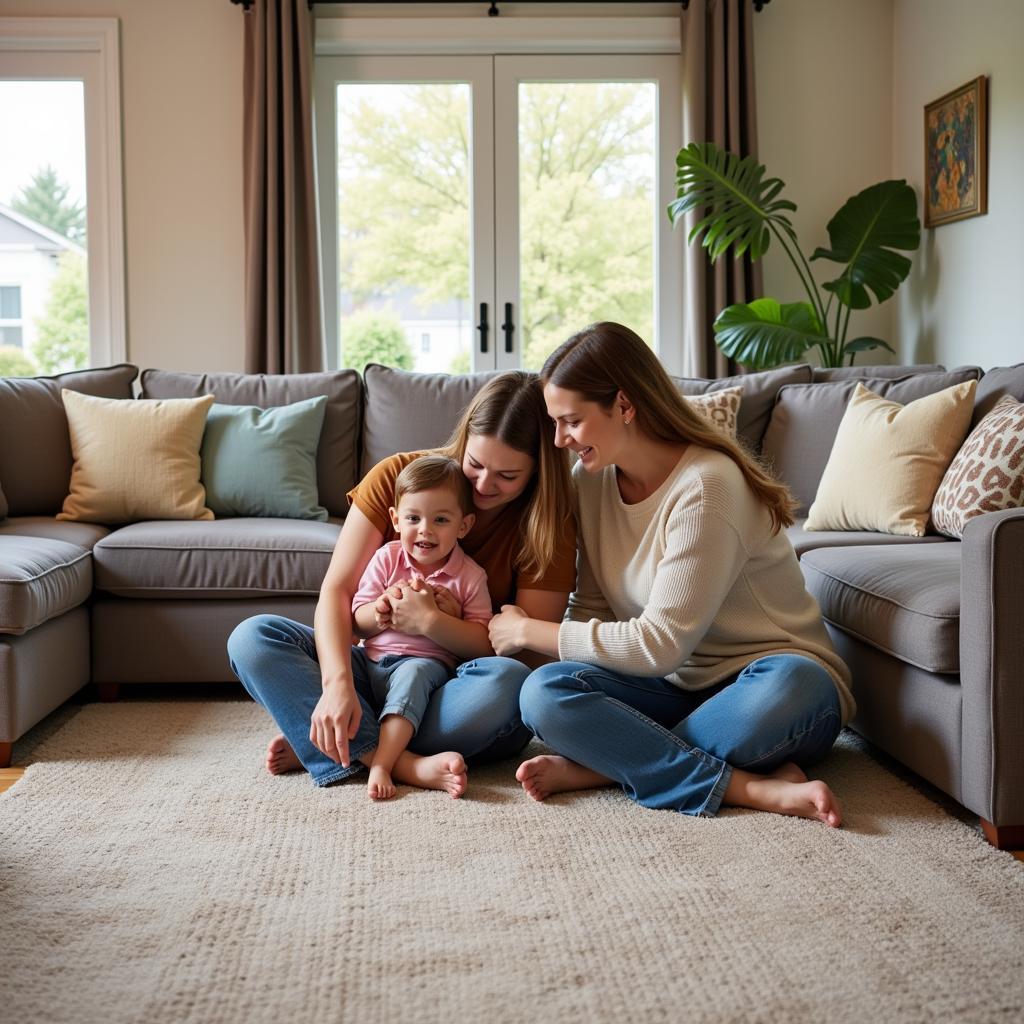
<point x="766" y="333"/>
<point x="736" y="200"/>
<point x="864" y="234"/>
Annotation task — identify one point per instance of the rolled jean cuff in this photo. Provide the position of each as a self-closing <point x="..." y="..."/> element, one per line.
<point x="341" y="772"/>
<point x="714" y="800"/>
<point x="403" y="710"/>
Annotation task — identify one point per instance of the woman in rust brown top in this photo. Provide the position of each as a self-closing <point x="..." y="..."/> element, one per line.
<point x="523" y="535"/>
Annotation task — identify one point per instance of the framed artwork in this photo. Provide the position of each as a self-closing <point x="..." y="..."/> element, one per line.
<point x="956" y="155"/>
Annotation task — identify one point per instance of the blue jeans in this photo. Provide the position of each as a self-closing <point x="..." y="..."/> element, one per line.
<point x="673" y="748"/>
<point x="475" y="713"/>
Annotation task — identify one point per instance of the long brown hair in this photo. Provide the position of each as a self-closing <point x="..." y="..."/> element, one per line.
<point x="606" y="358"/>
<point x="510" y="408"/>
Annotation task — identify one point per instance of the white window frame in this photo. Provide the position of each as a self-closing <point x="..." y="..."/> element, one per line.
<point x="369" y="42"/>
<point x="87" y="50"/>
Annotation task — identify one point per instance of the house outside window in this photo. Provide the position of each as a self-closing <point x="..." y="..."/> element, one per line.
<point x="10" y="315"/>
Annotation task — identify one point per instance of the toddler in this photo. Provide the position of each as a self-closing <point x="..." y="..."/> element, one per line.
<point x="415" y="591"/>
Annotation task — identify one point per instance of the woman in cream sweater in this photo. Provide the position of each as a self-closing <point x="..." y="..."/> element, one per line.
<point x="695" y="667"/>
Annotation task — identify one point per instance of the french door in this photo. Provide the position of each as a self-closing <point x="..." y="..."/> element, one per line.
<point x="476" y="210"/>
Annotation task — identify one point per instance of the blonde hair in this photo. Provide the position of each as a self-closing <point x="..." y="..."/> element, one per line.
<point x="433" y="472"/>
<point x="510" y="408"/>
<point x="606" y="358"/>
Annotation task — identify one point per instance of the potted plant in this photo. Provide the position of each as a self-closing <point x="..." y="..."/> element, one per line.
<point x="742" y="213"/>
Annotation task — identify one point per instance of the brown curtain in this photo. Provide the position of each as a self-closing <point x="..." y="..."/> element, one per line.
<point x="718" y="106"/>
<point x="283" y="314"/>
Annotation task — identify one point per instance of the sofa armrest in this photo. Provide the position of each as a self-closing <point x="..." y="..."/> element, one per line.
<point x="992" y="666"/>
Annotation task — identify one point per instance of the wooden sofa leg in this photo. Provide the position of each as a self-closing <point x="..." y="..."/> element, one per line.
<point x="6" y="752"/>
<point x="1003" y="837"/>
<point x="108" y="692"/>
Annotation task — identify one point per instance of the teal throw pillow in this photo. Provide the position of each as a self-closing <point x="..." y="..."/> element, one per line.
<point x="262" y="462"/>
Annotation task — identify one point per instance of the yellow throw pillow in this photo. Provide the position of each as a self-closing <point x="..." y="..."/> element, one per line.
<point x="720" y="408"/>
<point x="888" y="460"/>
<point x="135" y="459"/>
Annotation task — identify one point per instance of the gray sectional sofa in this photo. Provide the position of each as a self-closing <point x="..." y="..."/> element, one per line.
<point x="933" y="629"/>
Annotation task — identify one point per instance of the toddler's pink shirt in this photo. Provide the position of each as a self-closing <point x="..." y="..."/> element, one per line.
<point x="460" y="574"/>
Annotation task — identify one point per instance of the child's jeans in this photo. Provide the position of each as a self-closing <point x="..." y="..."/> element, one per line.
<point x="399" y="684"/>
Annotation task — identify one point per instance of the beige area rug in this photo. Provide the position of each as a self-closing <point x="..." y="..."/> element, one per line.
<point x="150" y="871"/>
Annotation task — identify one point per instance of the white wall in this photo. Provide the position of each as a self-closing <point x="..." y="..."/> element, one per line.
<point x="181" y="87"/>
<point x="960" y="304"/>
<point x="824" y="82"/>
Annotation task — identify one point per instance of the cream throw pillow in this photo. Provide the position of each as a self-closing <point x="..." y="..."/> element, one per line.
<point x="720" y="408"/>
<point x="135" y="459"/>
<point x="888" y="459"/>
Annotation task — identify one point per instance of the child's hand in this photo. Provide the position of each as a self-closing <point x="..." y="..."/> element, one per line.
<point x="447" y="603"/>
<point x="414" y="611"/>
<point x="382" y="611"/>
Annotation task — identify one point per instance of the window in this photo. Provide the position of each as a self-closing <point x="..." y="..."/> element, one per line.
<point x="500" y="200"/>
<point x="10" y="315"/>
<point x="61" y="234"/>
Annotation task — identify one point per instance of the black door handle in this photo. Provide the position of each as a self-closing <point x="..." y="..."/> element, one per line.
<point x="508" y="327"/>
<point x="482" y="327"/>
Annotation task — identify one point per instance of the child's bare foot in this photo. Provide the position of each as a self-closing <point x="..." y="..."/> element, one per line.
<point x="441" y="771"/>
<point x="280" y="757"/>
<point x="551" y="773"/>
<point x="380" y="786"/>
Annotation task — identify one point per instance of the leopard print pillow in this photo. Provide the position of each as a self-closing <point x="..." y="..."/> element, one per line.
<point x="720" y="408"/>
<point x="988" y="472"/>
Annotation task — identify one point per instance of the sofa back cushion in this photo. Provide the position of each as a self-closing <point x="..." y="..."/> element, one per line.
<point x="806" y="419"/>
<point x="412" y="411"/>
<point x="759" y="392"/>
<point x="823" y="373"/>
<point x="997" y="382"/>
<point x="35" y="453"/>
<point x="336" y="468"/>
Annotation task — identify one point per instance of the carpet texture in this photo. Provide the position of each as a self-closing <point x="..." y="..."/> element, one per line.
<point x="151" y="871"/>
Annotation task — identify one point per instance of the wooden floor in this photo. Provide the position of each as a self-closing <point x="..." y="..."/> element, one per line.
<point x="9" y="776"/>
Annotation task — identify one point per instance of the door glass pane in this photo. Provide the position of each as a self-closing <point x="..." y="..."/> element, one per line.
<point x="586" y="209"/>
<point x="43" y="257"/>
<point x="403" y="225"/>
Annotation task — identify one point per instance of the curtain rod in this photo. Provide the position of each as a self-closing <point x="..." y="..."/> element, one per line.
<point x="492" y="11"/>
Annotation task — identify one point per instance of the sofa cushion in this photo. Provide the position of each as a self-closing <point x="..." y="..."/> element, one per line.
<point x="337" y="452"/>
<point x="222" y="558"/>
<point x="35" y="456"/>
<point x="997" y="382"/>
<point x="135" y="460"/>
<point x="262" y="462"/>
<point x="888" y="460"/>
<point x="85" y="535"/>
<point x="806" y="418"/>
<point x="40" y="578"/>
<point x="903" y="599"/>
<point x="408" y="412"/>
<point x="759" y="393"/>
<point x="881" y="371"/>
<point x="804" y="541"/>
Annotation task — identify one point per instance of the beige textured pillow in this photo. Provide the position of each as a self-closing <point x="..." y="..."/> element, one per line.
<point x="135" y="459"/>
<point x="888" y="459"/>
<point x="988" y="472"/>
<point x="720" y="408"/>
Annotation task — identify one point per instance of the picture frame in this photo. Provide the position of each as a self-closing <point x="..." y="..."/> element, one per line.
<point x="956" y="154"/>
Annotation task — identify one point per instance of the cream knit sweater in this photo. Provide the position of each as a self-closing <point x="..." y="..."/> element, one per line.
<point x="690" y="583"/>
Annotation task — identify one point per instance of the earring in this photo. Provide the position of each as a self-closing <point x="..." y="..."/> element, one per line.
<point x="627" y="419"/>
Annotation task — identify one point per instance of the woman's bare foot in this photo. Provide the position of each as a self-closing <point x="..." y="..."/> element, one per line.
<point x="551" y="773"/>
<point x="785" y="794"/>
<point x="790" y="772"/>
<point x="441" y="771"/>
<point x="280" y="757"/>
<point x="380" y="785"/>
